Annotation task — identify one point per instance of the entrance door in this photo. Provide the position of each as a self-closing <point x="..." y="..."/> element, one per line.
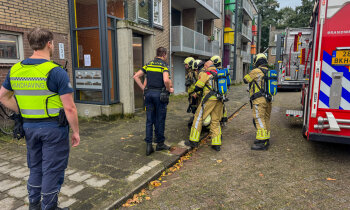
<point x="138" y="64"/>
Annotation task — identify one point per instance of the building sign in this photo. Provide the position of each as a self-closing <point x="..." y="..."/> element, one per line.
<point x="88" y="79"/>
<point x="61" y="50"/>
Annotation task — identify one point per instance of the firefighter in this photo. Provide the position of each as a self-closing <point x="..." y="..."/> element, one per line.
<point x="191" y="79"/>
<point x="260" y="105"/>
<point x="217" y="63"/>
<point x="210" y="105"/>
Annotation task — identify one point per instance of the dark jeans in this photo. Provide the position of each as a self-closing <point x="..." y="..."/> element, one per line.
<point x="47" y="156"/>
<point x="156" y="115"/>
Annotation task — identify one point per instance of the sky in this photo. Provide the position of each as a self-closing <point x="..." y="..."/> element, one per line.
<point x="290" y="3"/>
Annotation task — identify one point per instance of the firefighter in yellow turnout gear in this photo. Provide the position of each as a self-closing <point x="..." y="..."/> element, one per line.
<point x="210" y="105"/>
<point x="260" y="105"/>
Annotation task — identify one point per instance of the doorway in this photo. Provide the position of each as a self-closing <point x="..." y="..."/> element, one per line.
<point x="138" y="61"/>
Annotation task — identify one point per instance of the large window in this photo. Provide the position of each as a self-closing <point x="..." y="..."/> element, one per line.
<point x="11" y="47"/>
<point x="157" y="12"/>
<point x="143" y="9"/>
<point x="115" y="8"/>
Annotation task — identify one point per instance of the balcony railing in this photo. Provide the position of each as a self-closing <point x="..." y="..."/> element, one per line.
<point x="247" y="32"/>
<point x="213" y="5"/>
<point x="246" y="57"/>
<point x="190" y="41"/>
<point x="248" y="8"/>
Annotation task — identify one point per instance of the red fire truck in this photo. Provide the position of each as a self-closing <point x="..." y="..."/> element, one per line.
<point x="326" y="99"/>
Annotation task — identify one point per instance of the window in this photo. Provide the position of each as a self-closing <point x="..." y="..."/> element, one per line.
<point x="217" y="35"/>
<point x="157" y="12"/>
<point x="273" y="51"/>
<point x="143" y="9"/>
<point x="200" y="26"/>
<point x="275" y="38"/>
<point x="11" y="47"/>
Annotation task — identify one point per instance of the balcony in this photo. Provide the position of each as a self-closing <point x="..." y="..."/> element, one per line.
<point x="206" y="9"/>
<point x="248" y="9"/>
<point x="246" y="57"/>
<point x="186" y="41"/>
<point x="247" y="33"/>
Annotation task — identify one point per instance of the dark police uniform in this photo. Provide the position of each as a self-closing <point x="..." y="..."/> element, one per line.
<point x="155" y="109"/>
<point x="47" y="142"/>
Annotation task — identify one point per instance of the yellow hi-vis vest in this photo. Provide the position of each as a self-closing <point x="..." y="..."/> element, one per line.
<point x="34" y="99"/>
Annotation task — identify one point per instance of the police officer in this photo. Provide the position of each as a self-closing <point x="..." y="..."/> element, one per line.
<point x="210" y="105"/>
<point x="261" y="106"/>
<point x="156" y="93"/>
<point x="40" y="91"/>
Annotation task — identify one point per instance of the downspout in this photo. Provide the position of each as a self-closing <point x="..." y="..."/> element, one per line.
<point x="170" y="40"/>
<point x="223" y="17"/>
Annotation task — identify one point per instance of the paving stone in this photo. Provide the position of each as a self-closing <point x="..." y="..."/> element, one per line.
<point x="12" y="156"/>
<point x="4" y="163"/>
<point x="7" y="203"/>
<point x="143" y="170"/>
<point x="20" y="173"/>
<point x="8" y="168"/>
<point x="19" y="159"/>
<point x="67" y="203"/>
<point x="24" y="207"/>
<point x="79" y="176"/>
<point x="133" y="177"/>
<point x="4" y="155"/>
<point x="69" y="172"/>
<point x="94" y="182"/>
<point x="18" y="192"/>
<point x="8" y="184"/>
<point x="70" y="190"/>
<point x="153" y="163"/>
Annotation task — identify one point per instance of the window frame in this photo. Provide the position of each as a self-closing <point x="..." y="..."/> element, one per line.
<point x="160" y="13"/>
<point x="202" y="23"/>
<point x="20" y="48"/>
<point x="273" y="51"/>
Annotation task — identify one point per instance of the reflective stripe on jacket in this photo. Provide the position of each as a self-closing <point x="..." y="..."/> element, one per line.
<point x="34" y="99"/>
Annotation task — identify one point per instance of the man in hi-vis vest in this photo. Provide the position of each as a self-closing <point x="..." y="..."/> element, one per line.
<point x="40" y="91"/>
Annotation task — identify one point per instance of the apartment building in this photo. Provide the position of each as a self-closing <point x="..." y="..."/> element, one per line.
<point x="247" y="36"/>
<point x="106" y="41"/>
<point x="196" y="30"/>
<point x="273" y="43"/>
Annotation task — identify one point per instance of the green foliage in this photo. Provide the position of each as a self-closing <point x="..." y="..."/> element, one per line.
<point x="285" y="17"/>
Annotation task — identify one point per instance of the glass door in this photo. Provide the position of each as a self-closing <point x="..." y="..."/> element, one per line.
<point x="138" y="64"/>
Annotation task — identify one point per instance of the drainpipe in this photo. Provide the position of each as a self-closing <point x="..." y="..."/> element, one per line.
<point x="170" y="39"/>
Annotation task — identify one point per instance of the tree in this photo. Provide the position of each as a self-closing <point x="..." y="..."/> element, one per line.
<point x="285" y="14"/>
<point x="269" y="16"/>
<point x="302" y="15"/>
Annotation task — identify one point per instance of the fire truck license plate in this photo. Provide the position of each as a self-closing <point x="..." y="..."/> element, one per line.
<point x="341" y="58"/>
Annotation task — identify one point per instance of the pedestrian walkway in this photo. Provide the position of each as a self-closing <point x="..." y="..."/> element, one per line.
<point x="109" y="164"/>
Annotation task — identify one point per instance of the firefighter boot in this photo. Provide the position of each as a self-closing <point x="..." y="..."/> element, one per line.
<point x="193" y="144"/>
<point x="261" y="145"/>
<point x="268" y="142"/>
<point x="162" y="146"/>
<point x="216" y="147"/>
<point x="149" y="149"/>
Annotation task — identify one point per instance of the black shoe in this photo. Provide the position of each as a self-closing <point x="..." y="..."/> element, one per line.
<point x="257" y="141"/>
<point x="58" y="208"/>
<point x="187" y="143"/>
<point x="193" y="144"/>
<point x="162" y="146"/>
<point x="35" y="206"/>
<point x="149" y="149"/>
<point x="261" y="145"/>
<point x="216" y="147"/>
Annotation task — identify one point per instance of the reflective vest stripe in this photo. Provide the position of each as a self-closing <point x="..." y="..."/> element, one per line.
<point x="39" y="111"/>
<point x="33" y="92"/>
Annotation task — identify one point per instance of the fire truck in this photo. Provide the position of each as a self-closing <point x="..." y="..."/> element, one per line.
<point x="326" y="98"/>
<point x="293" y="64"/>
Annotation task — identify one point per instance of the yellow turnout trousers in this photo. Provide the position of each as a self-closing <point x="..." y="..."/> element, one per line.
<point x="214" y="109"/>
<point x="261" y="115"/>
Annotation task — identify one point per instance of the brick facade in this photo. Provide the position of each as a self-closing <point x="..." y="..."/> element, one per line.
<point x="20" y="16"/>
<point x="162" y="35"/>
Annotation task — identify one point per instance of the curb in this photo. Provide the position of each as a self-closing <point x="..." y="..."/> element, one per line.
<point x="118" y="203"/>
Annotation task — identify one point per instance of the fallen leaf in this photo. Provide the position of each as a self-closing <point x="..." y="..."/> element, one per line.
<point x="126" y="205"/>
<point x="131" y="135"/>
<point x="148" y="198"/>
<point x="122" y="138"/>
<point x="164" y="181"/>
<point x="261" y="174"/>
<point x="219" y="161"/>
<point x="330" y="179"/>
